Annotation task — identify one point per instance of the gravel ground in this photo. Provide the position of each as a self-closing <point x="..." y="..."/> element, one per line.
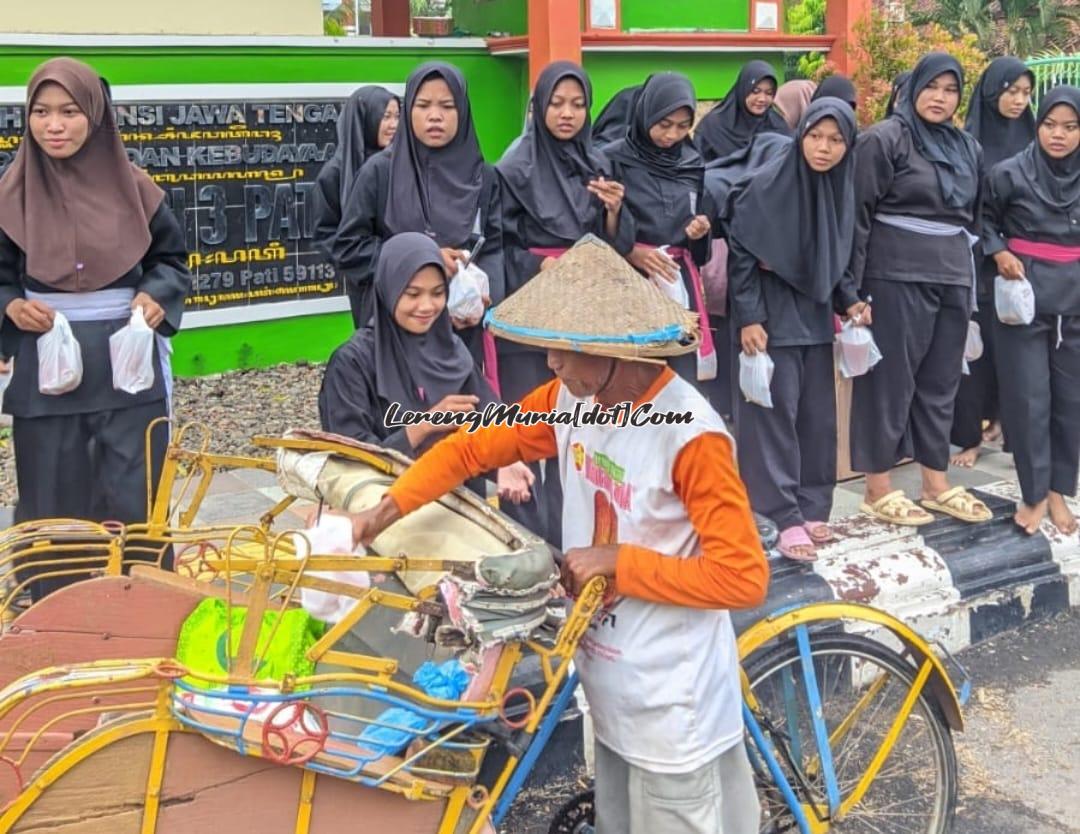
<point x="235" y="406"/>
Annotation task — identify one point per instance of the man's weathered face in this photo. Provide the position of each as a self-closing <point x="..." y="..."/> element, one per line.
<point x="583" y="374"/>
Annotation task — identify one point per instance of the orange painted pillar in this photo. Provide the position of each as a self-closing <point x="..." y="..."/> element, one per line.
<point x="554" y="34"/>
<point x="390" y="18"/>
<point x="840" y="19"/>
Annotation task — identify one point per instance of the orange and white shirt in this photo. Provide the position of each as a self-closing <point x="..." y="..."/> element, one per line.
<point x="660" y="667"/>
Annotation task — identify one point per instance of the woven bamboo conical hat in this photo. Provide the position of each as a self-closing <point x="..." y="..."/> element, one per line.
<point x="593" y="301"/>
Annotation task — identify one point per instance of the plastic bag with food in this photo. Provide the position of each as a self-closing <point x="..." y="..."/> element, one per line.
<point x="60" y="365"/>
<point x="755" y="378"/>
<point x="1014" y="300"/>
<point x="468" y="289"/>
<point x="131" y="350"/>
<point x="856" y="350"/>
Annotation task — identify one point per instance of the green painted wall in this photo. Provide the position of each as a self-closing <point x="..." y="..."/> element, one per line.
<point x="496" y="90"/>
<point x="486" y="17"/>
<point x="673" y="15"/>
<point x="488" y="90"/>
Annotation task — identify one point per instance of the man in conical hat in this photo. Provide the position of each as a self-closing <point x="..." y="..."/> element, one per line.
<point x="655" y="505"/>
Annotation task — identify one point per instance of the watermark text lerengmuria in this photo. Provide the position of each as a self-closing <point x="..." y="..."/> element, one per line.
<point x="622" y="415"/>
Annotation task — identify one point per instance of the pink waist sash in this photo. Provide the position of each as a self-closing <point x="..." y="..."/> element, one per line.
<point x="547" y="251"/>
<point x="1053" y="252"/>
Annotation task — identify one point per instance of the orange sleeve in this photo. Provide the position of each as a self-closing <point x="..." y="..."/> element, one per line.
<point x="731" y="571"/>
<point x="464" y="455"/>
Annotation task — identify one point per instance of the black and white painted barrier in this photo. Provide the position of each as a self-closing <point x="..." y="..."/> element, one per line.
<point x="953" y="582"/>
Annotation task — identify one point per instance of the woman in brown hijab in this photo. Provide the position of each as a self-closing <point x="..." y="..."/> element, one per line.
<point x="84" y="233"/>
<point x="793" y="98"/>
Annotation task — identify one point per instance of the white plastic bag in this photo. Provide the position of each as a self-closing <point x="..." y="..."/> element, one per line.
<point x="1014" y="301"/>
<point x="467" y="292"/>
<point x="973" y="348"/>
<point x="131" y="349"/>
<point x="60" y="365"/>
<point x="676" y="289"/>
<point x="755" y="378"/>
<point x="856" y="350"/>
<point x="333" y="534"/>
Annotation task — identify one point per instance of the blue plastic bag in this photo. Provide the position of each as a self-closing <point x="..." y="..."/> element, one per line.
<point x="447" y="682"/>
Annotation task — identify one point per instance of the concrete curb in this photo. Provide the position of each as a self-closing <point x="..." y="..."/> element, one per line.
<point x="952" y="582"/>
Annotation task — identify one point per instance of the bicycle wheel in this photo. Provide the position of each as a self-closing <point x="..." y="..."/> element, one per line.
<point x="862" y="686"/>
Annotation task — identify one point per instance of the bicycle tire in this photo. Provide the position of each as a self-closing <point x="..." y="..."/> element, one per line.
<point x="761" y="667"/>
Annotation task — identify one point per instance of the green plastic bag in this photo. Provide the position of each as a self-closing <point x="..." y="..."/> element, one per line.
<point x="201" y="645"/>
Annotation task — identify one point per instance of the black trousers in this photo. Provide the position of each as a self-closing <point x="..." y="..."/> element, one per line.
<point x="85" y="466"/>
<point x="904" y="406"/>
<point x="519" y="373"/>
<point x="977" y="398"/>
<point x="787" y="453"/>
<point x="361" y="302"/>
<point x="719" y="391"/>
<point x="1040" y="402"/>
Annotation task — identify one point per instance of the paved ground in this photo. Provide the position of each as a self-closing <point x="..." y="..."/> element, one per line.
<point x="1020" y="751"/>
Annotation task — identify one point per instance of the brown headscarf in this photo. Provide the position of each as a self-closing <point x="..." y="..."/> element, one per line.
<point x="792" y="99"/>
<point x="83" y="221"/>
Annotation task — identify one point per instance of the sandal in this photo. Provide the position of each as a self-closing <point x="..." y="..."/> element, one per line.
<point x="792" y="538"/>
<point x="959" y="503"/>
<point x="820" y="532"/>
<point x="897" y="508"/>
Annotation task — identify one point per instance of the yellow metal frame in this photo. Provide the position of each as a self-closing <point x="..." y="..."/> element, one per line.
<point x="253" y="557"/>
<point x="938" y="679"/>
<point x="89" y="678"/>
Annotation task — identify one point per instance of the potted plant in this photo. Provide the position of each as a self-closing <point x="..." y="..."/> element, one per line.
<point x="431" y="18"/>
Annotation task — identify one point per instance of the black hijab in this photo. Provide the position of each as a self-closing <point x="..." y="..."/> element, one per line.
<point x="799" y="222"/>
<point x="660" y="96"/>
<point x="358" y="131"/>
<point x="435" y="190"/>
<point x="838" y="86"/>
<point x="724" y="175"/>
<point x="437" y="362"/>
<point x="729" y="126"/>
<point x="1056" y="181"/>
<point x="898" y="86"/>
<point x="549" y="176"/>
<point x="614" y="119"/>
<point x="953" y="153"/>
<point x="999" y="136"/>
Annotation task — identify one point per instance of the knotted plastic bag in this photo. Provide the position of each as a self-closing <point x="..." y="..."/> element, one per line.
<point x="1014" y="301"/>
<point x="60" y="365"/>
<point x="467" y="292"/>
<point x="332" y="535"/>
<point x="131" y="349"/>
<point x="856" y="350"/>
<point x="673" y="289"/>
<point x="755" y="378"/>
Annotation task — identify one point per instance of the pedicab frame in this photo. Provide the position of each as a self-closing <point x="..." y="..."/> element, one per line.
<point x="256" y="561"/>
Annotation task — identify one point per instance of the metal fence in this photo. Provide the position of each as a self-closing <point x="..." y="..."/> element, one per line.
<point x="1051" y="71"/>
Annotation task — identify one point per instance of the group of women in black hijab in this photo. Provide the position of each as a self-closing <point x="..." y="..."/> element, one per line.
<point x="943" y="216"/>
<point x="884" y="230"/>
<point x="413" y="213"/>
<point x="367" y="124"/>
